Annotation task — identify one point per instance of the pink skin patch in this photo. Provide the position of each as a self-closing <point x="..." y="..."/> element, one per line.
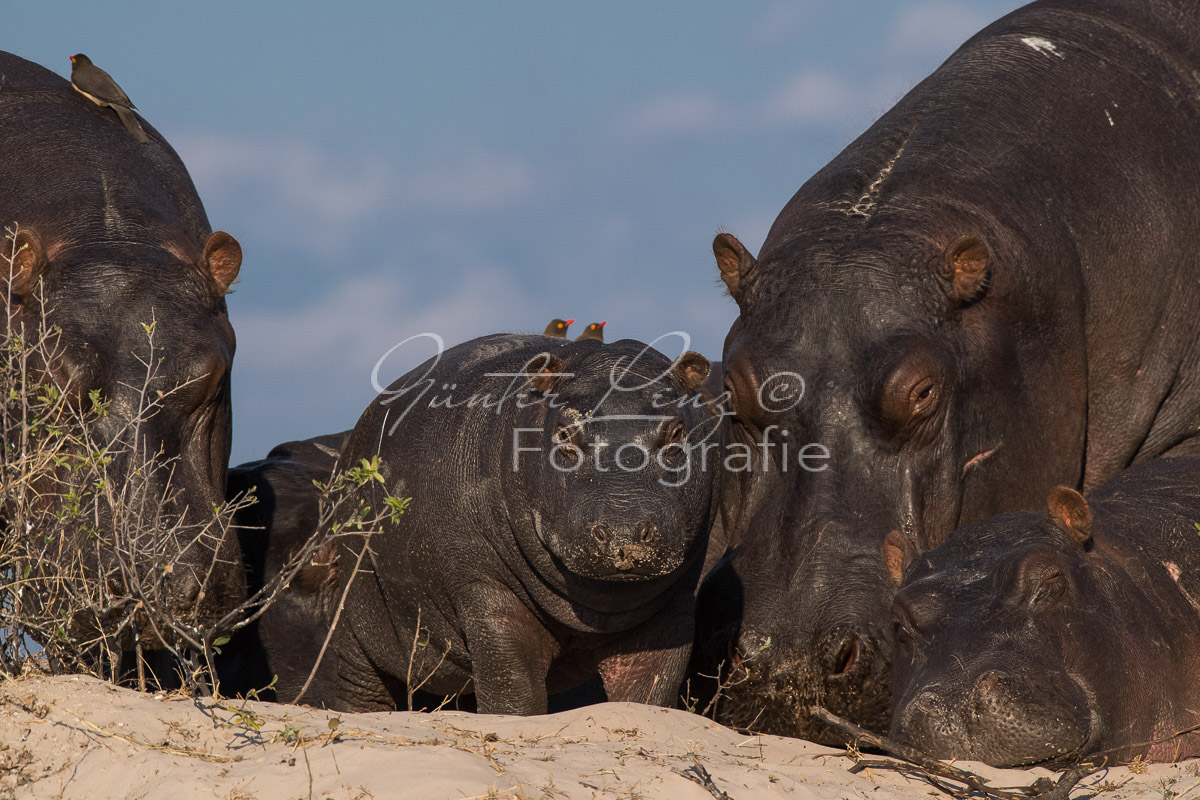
<point x="1174" y="571"/>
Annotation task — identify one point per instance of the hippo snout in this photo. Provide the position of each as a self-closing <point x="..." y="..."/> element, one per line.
<point x="774" y="681"/>
<point x="630" y="550"/>
<point x="1003" y="719"/>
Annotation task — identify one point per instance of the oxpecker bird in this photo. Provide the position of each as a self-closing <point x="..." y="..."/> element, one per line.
<point x="98" y="86"/>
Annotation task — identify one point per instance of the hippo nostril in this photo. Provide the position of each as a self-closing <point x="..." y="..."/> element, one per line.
<point x="599" y="534"/>
<point x="847" y="657"/>
<point x="986" y="683"/>
<point x="648" y="532"/>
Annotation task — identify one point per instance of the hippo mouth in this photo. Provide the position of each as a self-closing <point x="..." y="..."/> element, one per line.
<point x="770" y="692"/>
<point x="629" y="563"/>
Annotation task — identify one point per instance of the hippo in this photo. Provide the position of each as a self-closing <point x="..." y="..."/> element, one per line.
<point x="989" y="293"/>
<point x="111" y="249"/>
<point x="1053" y="638"/>
<point x="559" y="514"/>
<point x="274" y="655"/>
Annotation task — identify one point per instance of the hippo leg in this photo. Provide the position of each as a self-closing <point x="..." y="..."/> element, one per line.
<point x="360" y="685"/>
<point x="511" y="652"/>
<point x="648" y="666"/>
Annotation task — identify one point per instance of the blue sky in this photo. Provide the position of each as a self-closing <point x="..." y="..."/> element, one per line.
<point x="466" y="168"/>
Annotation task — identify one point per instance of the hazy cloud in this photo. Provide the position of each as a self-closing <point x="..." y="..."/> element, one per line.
<point x="473" y="179"/>
<point x="809" y="97"/>
<point x="297" y="174"/>
<point x="782" y="22"/>
<point x="317" y="199"/>
<point x="352" y="325"/>
<point x="671" y="115"/>
<point x="937" y="26"/>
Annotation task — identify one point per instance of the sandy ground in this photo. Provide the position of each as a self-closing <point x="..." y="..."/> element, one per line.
<point x="78" y="737"/>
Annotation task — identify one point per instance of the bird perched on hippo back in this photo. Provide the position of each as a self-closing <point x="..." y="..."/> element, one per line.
<point x="964" y="309"/>
<point x="1057" y="636"/>
<point x="98" y="86"/>
<point x="557" y="527"/>
<point x="594" y="330"/>
<point x="557" y="328"/>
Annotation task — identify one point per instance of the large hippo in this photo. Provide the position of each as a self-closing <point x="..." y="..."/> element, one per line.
<point x="112" y="248"/>
<point x="560" y="507"/>
<point x="991" y="292"/>
<point x="1048" y="638"/>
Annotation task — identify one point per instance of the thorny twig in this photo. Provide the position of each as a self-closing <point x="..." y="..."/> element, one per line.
<point x="937" y="772"/>
<point x="334" y="622"/>
<point x="697" y="773"/>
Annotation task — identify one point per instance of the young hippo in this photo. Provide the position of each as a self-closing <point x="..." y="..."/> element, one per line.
<point x="1049" y="639"/>
<point x="280" y="648"/>
<point x="560" y="509"/>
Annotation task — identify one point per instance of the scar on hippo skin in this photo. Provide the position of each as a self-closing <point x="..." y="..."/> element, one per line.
<point x="221" y="260"/>
<point x="1069" y="512"/>
<point x="979" y="458"/>
<point x="28" y="261"/>
<point x="738" y="267"/>
<point x="966" y="269"/>
<point x="869" y="201"/>
<point x="691" y="370"/>
<point x="1176" y="573"/>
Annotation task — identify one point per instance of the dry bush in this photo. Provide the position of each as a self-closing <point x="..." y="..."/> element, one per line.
<point x="89" y="535"/>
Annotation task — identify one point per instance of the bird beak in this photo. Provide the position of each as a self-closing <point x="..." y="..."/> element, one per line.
<point x="570" y="321"/>
<point x="602" y="324"/>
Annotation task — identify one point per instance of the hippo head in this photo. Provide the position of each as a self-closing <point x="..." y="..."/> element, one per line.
<point x="608" y="464"/>
<point x="884" y="387"/>
<point x="142" y="332"/>
<point x="1021" y="641"/>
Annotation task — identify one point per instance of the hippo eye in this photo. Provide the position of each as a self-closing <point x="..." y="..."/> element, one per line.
<point x="911" y="394"/>
<point x="902" y="625"/>
<point x="566" y="441"/>
<point x="730" y="397"/>
<point x="1050" y="585"/>
<point x="740" y="410"/>
<point x="674" y="434"/>
<point x="922" y="396"/>
<point x="1040" y="579"/>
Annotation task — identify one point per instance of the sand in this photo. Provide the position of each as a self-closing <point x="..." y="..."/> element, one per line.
<point x="77" y="737"/>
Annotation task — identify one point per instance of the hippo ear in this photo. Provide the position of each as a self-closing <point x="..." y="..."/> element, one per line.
<point x="222" y="258"/>
<point x="967" y="269"/>
<point x="28" y="260"/>
<point x="690" y="370"/>
<point x="545" y="371"/>
<point x="738" y="267"/>
<point x="320" y="574"/>
<point x="1069" y="511"/>
<point x="897" y="552"/>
